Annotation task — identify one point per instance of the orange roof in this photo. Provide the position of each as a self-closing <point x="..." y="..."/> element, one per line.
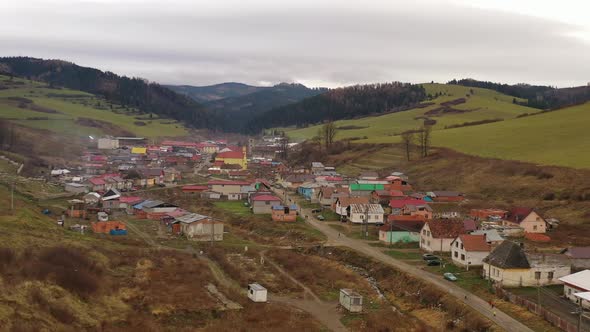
<point x="474" y="242"/>
<point x="536" y="237"/>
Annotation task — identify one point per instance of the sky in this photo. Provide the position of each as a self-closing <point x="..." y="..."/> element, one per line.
<point x="314" y="42"/>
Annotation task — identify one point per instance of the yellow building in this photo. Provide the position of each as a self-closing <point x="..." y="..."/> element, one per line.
<point x="233" y="158"/>
<point x="138" y="150"/>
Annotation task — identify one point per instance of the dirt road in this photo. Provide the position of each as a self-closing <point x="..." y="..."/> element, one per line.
<point x="335" y="238"/>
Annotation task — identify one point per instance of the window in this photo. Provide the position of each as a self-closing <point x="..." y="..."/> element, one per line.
<point x="457" y="244"/>
<point x="550" y="275"/>
<point x="422" y="241"/>
<point x="537" y="275"/>
<point x="569" y="291"/>
<point x="461" y="245"/>
<point x="534" y="227"/>
<point x="462" y="257"/>
<point x="456" y="254"/>
<point x="429" y="243"/>
<point x="424" y="231"/>
<point x="267" y="202"/>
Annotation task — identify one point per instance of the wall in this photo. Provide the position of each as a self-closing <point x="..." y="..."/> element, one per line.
<point x="263" y="207"/>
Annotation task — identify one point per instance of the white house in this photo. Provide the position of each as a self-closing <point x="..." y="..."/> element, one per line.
<point x="527" y="219"/>
<point x="342" y="203"/>
<point x="437" y="235"/>
<point x="510" y="266"/>
<point x="576" y="283"/>
<point x="257" y="293"/>
<point x="469" y="250"/>
<point x="365" y="213"/>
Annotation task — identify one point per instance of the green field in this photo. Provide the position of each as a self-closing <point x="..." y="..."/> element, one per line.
<point x="70" y="105"/>
<point x="556" y="138"/>
<point x="485" y="104"/>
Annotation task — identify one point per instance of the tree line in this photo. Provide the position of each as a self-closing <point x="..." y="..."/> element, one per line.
<point x="342" y="103"/>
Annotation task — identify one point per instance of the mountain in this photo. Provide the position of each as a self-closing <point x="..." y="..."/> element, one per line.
<point x="136" y="93"/>
<point x="342" y="103"/>
<point x="537" y="96"/>
<point x="203" y="94"/>
<point x="236" y="112"/>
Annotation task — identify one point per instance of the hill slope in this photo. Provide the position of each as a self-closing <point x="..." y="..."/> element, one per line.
<point x="203" y="94"/>
<point x="130" y="92"/>
<point x="236" y="112"/>
<point x="342" y="103"/>
<point x="479" y="104"/>
<point x="76" y="113"/>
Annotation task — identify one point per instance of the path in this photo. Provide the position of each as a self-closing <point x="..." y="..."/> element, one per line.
<point x="326" y="312"/>
<point x="334" y="237"/>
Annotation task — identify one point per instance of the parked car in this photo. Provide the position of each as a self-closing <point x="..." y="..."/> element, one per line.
<point x="320" y="217"/>
<point x="449" y="276"/>
<point x="316" y="210"/>
<point x="428" y="257"/>
<point x="433" y="262"/>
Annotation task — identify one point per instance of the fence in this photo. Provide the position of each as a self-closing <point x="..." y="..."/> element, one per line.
<point x="533" y="307"/>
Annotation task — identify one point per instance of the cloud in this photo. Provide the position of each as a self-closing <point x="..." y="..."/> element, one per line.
<point x="330" y="43"/>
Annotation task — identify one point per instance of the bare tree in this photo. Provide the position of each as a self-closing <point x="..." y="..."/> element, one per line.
<point x="420" y="140"/>
<point x="284" y="147"/>
<point x="318" y="140"/>
<point x="427" y="139"/>
<point x="328" y="133"/>
<point x="407" y="139"/>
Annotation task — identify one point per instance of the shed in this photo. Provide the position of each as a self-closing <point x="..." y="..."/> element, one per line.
<point x="351" y="300"/>
<point x="257" y="293"/>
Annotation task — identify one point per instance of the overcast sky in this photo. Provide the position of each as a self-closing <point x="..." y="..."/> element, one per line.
<point x="314" y="42"/>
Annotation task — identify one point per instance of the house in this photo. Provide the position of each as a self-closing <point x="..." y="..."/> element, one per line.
<point x="171" y="175"/>
<point x="423" y="210"/>
<point x="257" y="293"/>
<point x="194" y="189"/>
<point x="262" y="204"/>
<point x="126" y="203"/>
<point x="493" y="237"/>
<point x="139" y="150"/>
<point x="397" y="183"/>
<point x="470" y="225"/>
<point x="75" y="188"/>
<point x="96" y="184"/>
<point x="363" y="189"/>
<point x="326" y="195"/>
<point x="397" y="205"/>
<point x="510" y="266"/>
<point x="108" y="143"/>
<point x="351" y="300"/>
<point x="446" y="196"/>
<point x="437" y="235"/>
<point x="200" y="228"/>
<point x="293" y="181"/>
<point x="317" y="168"/>
<point x="110" y="199"/>
<point x="369" y="176"/>
<point x="527" y="219"/>
<point x="232" y="190"/>
<point x="307" y="189"/>
<point x="470" y="250"/>
<point x="401" y="231"/>
<point x="384" y="196"/>
<point x="578" y="282"/>
<point x="91" y="198"/>
<point x="284" y="213"/>
<point x="365" y="213"/>
<point x="233" y="158"/>
<point x="342" y="203"/>
<point x="579" y="256"/>
<point x="485" y="214"/>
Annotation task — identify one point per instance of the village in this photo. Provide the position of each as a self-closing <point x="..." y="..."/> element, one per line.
<point x="490" y="252"/>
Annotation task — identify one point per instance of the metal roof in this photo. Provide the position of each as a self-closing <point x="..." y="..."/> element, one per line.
<point x="191" y="218"/>
<point x="583" y="295"/>
<point x="362" y="208"/>
<point x="256" y="287"/>
<point x="580" y="279"/>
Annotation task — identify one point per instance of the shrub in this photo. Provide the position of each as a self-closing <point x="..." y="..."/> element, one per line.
<point x="7" y="257"/>
<point x="62" y="313"/>
<point x="549" y="196"/>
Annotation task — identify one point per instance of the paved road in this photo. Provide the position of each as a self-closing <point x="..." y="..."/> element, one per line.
<point x="334" y="237"/>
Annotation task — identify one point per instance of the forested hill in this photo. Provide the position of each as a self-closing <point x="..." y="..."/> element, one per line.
<point x="134" y="92"/>
<point x="342" y="103"/>
<point x="537" y="96"/>
<point x="204" y="94"/>
<point x="238" y="111"/>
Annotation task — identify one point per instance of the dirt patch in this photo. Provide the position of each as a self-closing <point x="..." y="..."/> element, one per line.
<point x="446" y="110"/>
<point x="107" y="127"/>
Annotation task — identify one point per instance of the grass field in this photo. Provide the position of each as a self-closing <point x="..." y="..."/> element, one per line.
<point x="67" y="106"/>
<point x="486" y="104"/>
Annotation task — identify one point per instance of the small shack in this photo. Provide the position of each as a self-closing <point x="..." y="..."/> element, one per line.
<point x="351" y="300"/>
<point x="257" y="293"/>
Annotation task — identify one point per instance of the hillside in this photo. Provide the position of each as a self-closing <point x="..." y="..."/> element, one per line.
<point x="234" y="113"/>
<point x="203" y="94"/>
<point x="76" y="113"/>
<point x="129" y="92"/>
<point x="479" y="105"/>
<point x="342" y="103"/>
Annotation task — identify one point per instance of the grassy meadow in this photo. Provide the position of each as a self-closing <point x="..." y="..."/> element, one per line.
<point x="59" y="110"/>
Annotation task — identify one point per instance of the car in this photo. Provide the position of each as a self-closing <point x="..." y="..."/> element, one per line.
<point x="316" y="210"/>
<point x="320" y="217"/>
<point x="161" y="185"/>
<point x="428" y="257"/>
<point x="449" y="276"/>
<point x="433" y="262"/>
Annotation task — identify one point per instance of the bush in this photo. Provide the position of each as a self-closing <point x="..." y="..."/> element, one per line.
<point x="7" y="257"/>
<point x="549" y="196"/>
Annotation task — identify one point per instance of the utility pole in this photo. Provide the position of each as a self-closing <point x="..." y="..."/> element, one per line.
<point x="580" y="313"/>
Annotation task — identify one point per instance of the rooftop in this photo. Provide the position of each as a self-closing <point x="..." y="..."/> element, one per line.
<point x="474" y="242"/>
<point x="508" y="255"/>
